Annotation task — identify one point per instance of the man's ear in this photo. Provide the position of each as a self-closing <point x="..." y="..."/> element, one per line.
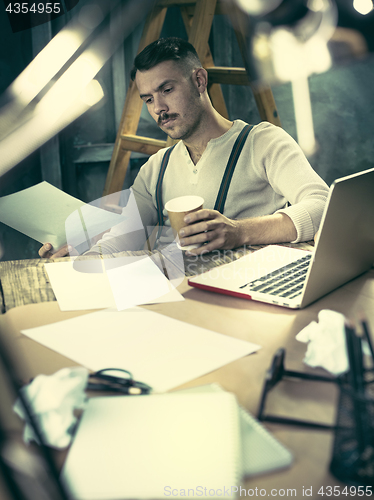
<point x="200" y="78"/>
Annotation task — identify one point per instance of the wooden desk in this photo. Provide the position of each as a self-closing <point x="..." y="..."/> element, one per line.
<point x="26" y="281"/>
<point x="271" y="327"/>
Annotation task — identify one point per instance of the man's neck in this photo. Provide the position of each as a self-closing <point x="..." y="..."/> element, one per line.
<point x="214" y="127"/>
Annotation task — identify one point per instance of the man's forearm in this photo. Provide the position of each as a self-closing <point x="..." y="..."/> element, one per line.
<point x="215" y="231"/>
<point x="276" y="228"/>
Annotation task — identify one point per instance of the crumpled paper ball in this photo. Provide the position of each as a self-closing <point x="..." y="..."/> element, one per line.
<point x="53" y="399"/>
<point x="326" y="342"/>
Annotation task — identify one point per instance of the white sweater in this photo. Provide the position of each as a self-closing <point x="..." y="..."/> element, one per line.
<point x="271" y="172"/>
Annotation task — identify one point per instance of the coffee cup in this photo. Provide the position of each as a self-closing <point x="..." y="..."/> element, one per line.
<point x="177" y="209"/>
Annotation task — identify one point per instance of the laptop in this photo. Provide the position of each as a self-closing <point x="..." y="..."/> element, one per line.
<point x="295" y="278"/>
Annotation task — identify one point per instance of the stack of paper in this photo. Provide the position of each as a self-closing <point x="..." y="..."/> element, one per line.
<point x="195" y="442"/>
<point x="121" y="282"/>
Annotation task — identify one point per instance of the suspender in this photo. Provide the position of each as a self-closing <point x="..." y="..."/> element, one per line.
<point x="159" y="205"/>
<point x="230" y="167"/>
<point x="226" y="179"/>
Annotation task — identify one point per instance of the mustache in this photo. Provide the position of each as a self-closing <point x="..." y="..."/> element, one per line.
<point x="166" y="116"/>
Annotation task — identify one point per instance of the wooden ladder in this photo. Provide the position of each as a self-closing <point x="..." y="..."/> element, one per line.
<point x="197" y="16"/>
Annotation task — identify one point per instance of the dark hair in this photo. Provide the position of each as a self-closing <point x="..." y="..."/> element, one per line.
<point x="166" y="49"/>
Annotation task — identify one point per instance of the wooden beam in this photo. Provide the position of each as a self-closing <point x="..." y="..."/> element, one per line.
<point x="215" y="91"/>
<point x="132" y="109"/>
<point x="190" y="4"/>
<point x="262" y="93"/>
<point x="144" y="145"/>
<point x="266" y="105"/>
<point x="229" y="76"/>
<point x="201" y="26"/>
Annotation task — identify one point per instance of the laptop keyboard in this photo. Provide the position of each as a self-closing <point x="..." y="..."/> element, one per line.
<point x="285" y="282"/>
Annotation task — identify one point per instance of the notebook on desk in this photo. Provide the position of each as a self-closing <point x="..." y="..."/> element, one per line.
<point x="295" y="278"/>
<point x="193" y="442"/>
<point x="261" y="452"/>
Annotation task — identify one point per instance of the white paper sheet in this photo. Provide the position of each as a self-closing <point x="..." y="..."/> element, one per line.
<point x="158" y="350"/>
<point x="76" y="290"/>
<point x="97" y="284"/>
<point x="179" y="440"/>
<point x="41" y="212"/>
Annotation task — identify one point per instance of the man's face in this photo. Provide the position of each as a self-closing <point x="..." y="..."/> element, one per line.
<point x="172" y="99"/>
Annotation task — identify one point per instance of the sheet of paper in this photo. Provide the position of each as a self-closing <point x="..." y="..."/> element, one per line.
<point x="75" y="290"/>
<point x="180" y="441"/>
<point x="41" y="212"/>
<point x="97" y="284"/>
<point x="137" y="280"/>
<point x="160" y="351"/>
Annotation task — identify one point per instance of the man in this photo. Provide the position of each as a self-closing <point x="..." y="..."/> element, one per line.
<point x="272" y="196"/>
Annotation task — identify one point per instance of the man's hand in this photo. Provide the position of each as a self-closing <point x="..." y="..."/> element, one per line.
<point x="215" y="231"/>
<point x="210" y="228"/>
<point x="47" y="251"/>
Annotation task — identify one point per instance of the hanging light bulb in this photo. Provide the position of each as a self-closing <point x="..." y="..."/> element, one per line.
<point x="363" y="6"/>
<point x="258" y="7"/>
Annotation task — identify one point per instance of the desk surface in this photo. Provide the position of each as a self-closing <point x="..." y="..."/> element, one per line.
<point x="26" y="281"/>
<point x="271" y="327"/>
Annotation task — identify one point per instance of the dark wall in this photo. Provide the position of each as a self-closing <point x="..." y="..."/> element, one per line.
<point x="15" y="55"/>
<point x="343" y="113"/>
<point x="342" y="105"/>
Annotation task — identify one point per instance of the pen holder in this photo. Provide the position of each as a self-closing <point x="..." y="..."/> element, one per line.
<point x="353" y="451"/>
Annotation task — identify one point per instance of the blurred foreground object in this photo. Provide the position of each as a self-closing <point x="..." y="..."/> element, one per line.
<point x="289" y="40"/>
<point x="59" y="84"/>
